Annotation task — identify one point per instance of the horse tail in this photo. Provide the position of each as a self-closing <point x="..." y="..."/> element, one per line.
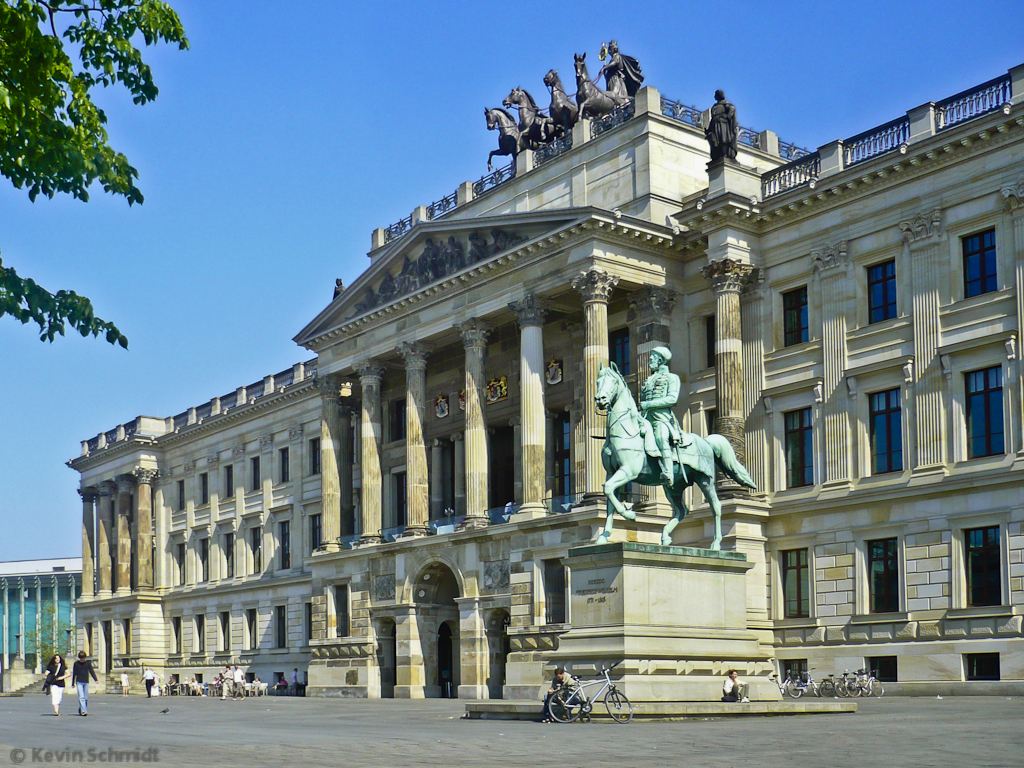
<point x="725" y="458"/>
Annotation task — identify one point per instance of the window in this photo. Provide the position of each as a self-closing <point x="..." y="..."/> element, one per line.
<point x="562" y="455"/>
<point x="979" y="263"/>
<point x="710" y="414"/>
<point x="985" y="412"/>
<point x="309" y="622"/>
<point x="554" y="591"/>
<point x="618" y="350"/>
<point x="200" y="645"/>
<point x="983" y="566"/>
<point x="883" y="576"/>
<point x="204" y="488"/>
<point x="799" y="448"/>
<point x="181" y="495"/>
<point x="180" y="563"/>
<point x="254" y="473"/>
<point x="398" y="419"/>
<point x="229" y="555"/>
<point x="981" y="666"/>
<point x="796" y="669"/>
<point x="886" y="432"/>
<point x="314" y="456"/>
<point x="229" y="481"/>
<point x="315" y="532"/>
<point x="126" y="636"/>
<point x="709" y="341"/>
<point x="794" y="316"/>
<point x="281" y="626"/>
<point x="400" y="487"/>
<point x="282" y="456"/>
<point x="176" y="634"/>
<point x="252" y="628"/>
<point x="225" y="631"/>
<point x="285" y="538"/>
<point x="204" y="559"/>
<point x="795" y="585"/>
<point x="882" y="292"/>
<point x="884" y="668"/>
<point x="256" y="545"/>
<point x="341" y="614"/>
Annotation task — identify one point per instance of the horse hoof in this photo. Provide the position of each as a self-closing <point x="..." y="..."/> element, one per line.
<point x="629" y="514"/>
<point x="716" y="546"/>
<point x="602" y="539"/>
<point x="666" y="541"/>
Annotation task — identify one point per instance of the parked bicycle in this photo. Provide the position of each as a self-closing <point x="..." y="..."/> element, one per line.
<point x="864" y="683"/>
<point x="568" y="706"/>
<point x="804" y="683"/>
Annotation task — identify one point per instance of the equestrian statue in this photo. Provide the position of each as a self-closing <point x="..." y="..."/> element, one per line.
<point x="509" y="141"/>
<point x="647" y="446"/>
<point x="535" y="128"/>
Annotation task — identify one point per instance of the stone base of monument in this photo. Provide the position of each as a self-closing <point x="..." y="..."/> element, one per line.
<point x="673" y="620"/>
<point x="497" y="709"/>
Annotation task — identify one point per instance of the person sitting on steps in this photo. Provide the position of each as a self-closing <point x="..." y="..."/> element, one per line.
<point x="734" y="689"/>
<point x="561" y="682"/>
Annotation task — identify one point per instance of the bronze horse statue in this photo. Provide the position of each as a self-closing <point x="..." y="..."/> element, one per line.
<point x="535" y="129"/>
<point x="562" y="111"/>
<point x="592" y="101"/>
<point x="509" y="140"/>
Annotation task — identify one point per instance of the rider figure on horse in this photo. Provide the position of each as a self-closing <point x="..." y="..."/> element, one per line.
<point x="658" y="397"/>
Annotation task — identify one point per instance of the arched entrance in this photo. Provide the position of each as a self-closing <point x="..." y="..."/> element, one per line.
<point x="498" y="649"/>
<point x="446" y="662"/>
<point x="438" y="619"/>
<point x="387" y="657"/>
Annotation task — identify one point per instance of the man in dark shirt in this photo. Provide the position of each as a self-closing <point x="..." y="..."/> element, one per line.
<point x="80" y="674"/>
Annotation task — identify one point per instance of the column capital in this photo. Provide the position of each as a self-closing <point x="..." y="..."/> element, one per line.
<point x="828" y="257"/>
<point x="370" y="372"/>
<point x="457" y="437"/>
<point x="330" y="386"/>
<point x="88" y="494"/>
<point x="145" y="476"/>
<point x="652" y="302"/>
<point x="530" y="310"/>
<point x="925" y="225"/>
<point x="125" y="483"/>
<point x="727" y="275"/>
<point x="107" y="488"/>
<point x="474" y="332"/>
<point x="595" y="285"/>
<point x="414" y="353"/>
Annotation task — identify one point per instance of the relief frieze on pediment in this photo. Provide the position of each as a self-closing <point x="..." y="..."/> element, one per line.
<point x="440" y="259"/>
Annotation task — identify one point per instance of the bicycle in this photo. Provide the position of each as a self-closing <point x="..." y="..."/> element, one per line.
<point x="803" y="684"/>
<point x="827" y="687"/>
<point x="566" y="707"/>
<point x="786" y="686"/>
<point x="867" y="684"/>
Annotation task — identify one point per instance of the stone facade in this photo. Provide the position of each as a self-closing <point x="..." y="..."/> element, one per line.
<point x="457" y="462"/>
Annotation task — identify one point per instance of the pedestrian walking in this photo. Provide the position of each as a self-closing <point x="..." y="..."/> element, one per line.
<point x="239" y="677"/>
<point x="125" y="684"/>
<point x="149" y="677"/>
<point x="57" y="673"/>
<point x="80" y="674"/>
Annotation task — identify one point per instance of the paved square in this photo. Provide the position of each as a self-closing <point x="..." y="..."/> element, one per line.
<point x="285" y="732"/>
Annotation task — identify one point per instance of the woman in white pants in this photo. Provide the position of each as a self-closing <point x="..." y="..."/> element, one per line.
<point x="58" y="673"/>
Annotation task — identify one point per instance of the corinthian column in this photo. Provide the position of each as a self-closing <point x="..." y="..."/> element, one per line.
<point x="417" y="490"/>
<point x="727" y="277"/>
<point x="124" y="534"/>
<point x="531" y="403"/>
<point x="330" y="483"/>
<point x="144" y="527"/>
<point x="370" y="374"/>
<point x="104" y="535"/>
<point x="88" y="542"/>
<point x="474" y="339"/>
<point x="595" y="286"/>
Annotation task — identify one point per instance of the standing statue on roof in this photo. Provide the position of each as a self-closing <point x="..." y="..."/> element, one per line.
<point x="621" y="74"/>
<point x="723" y="131"/>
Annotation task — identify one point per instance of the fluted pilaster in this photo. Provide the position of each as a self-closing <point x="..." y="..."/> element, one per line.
<point x="531" y="312"/>
<point x="459" y="444"/>
<point x="417" y="488"/>
<point x="756" y="321"/>
<point x="830" y="267"/>
<point x="144" y="479"/>
<point x="474" y="339"/>
<point x="105" y="532"/>
<point x="125" y="486"/>
<point x="330" y="481"/>
<point x="370" y="374"/>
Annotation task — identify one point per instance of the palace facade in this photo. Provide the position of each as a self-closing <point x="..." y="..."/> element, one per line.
<point x="391" y="516"/>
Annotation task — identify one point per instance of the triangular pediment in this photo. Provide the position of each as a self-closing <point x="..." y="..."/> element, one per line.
<point x="430" y="253"/>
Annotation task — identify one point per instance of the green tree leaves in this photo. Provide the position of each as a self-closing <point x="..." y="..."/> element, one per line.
<point x="52" y="137"/>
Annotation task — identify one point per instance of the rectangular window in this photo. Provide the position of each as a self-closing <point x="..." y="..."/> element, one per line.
<point x="618" y="350"/>
<point x="225" y="631"/>
<point x="309" y="622"/>
<point x="204" y="488"/>
<point x="981" y="666"/>
<point x="314" y="456"/>
<point x="315" y="532"/>
<point x="796" y="669"/>
<point x="181" y="495"/>
<point x="281" y="625"/>
<point x="981" y="546"/>
<point x="799" y="448"/>
<point x="794" y="316"/>
<point x="181" y="564"/>
<point x="254" y="473"/>
<point x="979" y="263"/>
<point x="282" y="457"/>
<point x="126" y="636"/>
<point x="883" y="576"/>
<point x="554" y="591"/>
<point x="562" y="455"/>
<point x="229" y="555"/>
<point x="709" y="341"/>
<point x="795" y="584"/>
<point x="400" y="486"/>
<point x="884" y="668"/>
<point x="710" y="414"/>
<point x="285" y="539"/>
<point x="204" y="559"/>
<point x="398" y="419"/>
<point x="881" y="292"/>
<point x="252" y="628"/>
<point x="886" y="420"/>
<point x="341" y="614"/>
<point x="985" y="412"/>
<point x="229" y="481"/>
<point x="176" y="634"/>
<point x="256" y="546"/>
<point x="200" y="644"/>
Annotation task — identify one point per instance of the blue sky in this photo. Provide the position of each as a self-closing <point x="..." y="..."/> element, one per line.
<point x="290" y="130"/>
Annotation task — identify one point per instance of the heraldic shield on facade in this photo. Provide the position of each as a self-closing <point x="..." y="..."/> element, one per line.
<point x="756" y="355"/>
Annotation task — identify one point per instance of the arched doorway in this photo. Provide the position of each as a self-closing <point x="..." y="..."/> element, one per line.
<point x="438" y="618"/>
<point x="387" y="657"/>
<point x="446" y="662"/>
<point x="498" y="649"/>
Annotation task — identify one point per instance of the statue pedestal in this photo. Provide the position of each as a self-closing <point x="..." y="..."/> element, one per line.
<point x="675" y="617"/>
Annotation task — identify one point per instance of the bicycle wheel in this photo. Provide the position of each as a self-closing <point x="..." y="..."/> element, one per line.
<point x="856" y="688"/>
<point x="566" y="707"/>
<point x="876" y="689"/>
<point x="841" y="690"/>
<point x="826" y="688"/>
<point x="794" y="691"/>
<point x="618" y="706"/>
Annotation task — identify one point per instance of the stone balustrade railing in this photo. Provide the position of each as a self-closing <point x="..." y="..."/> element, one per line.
<point x="791" y="175"/>
<point x="973" y="102"/>
<point x="877" y="141"/>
